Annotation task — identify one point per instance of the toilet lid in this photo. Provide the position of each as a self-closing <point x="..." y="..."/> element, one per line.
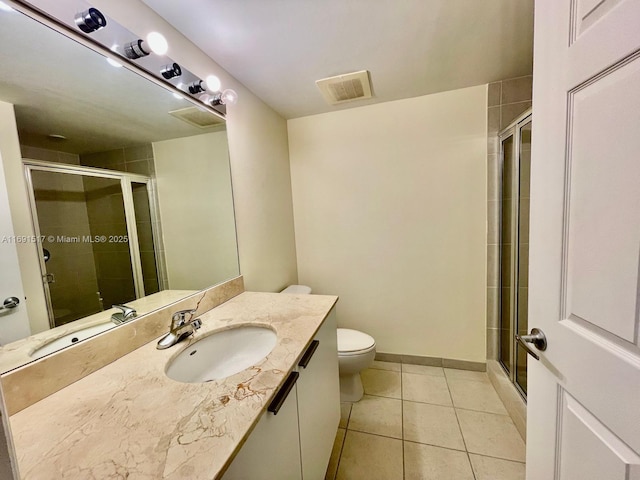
<point x="353" y="340"/>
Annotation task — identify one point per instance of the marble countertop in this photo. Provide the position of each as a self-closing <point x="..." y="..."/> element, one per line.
<point x="129" y="420"/>
<point x="20" y="352"/>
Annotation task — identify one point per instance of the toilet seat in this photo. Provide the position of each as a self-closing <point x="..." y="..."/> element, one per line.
<point x="354" y="342"/>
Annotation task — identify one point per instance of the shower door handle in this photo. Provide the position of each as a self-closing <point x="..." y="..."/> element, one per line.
<point x="537" y="337"/>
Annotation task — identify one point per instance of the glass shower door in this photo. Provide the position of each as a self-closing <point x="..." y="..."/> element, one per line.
<point x="95" y="231"/>
<point x="514" y="249"/>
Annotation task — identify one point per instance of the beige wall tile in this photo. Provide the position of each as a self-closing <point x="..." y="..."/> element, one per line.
<point x="377" y="415"/>
<point x="431" y="424"/>
<point x="492" y="265"/>
<point x="493" y="221"/>
<point x="424" y="462"/>
<point x="516" y="90"/>
<point x="381" y="382"/>
<point x="493" y="298"/>
<point x="494" y="94"/>
<point x="509" y="112"/>
<point x="493" y="180"/>
<point x="492" y="343"/>
<point x="492" y="435"/>
<point x="371" y="457"/>
<point x="493" y="120"/>
<point x="425" y="388"/>
<point x="464" y="365"/>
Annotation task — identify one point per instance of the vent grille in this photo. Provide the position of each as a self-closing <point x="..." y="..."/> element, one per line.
<point x="197" y="117"/>
<point x="345" y="88"/>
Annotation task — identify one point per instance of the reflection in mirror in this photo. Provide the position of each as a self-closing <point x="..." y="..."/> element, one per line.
<point x="128" y="187"/>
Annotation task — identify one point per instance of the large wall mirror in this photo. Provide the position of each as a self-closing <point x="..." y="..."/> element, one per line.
<point x="127" y="188"/>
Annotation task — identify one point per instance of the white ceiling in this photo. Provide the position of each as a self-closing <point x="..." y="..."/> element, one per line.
<point x="278" y="48"/>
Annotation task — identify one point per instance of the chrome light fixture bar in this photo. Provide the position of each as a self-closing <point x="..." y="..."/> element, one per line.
<point x="147" y="57"/>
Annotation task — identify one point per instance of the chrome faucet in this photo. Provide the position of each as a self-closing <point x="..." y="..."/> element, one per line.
<point x="181" y="327"/>
<point x="127" y="313"/>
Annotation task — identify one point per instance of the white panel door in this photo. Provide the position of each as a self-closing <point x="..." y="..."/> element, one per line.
<point x="14" y="323"/>
<point x="584" y="288"/>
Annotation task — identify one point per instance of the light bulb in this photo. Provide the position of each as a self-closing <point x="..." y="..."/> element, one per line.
<point x="157" y="43"/>
<point x="213" y="83"/>
<point x="229" y="97"/>
<point x="5" y="8"/>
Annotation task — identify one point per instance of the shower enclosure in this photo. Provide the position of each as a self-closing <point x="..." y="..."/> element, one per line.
<point x="96" y="235"/>
<point x="515" y="152"/>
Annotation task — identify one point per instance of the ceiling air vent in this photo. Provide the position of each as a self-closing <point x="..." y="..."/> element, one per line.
<point x="345" y="88"/>
<point x="197" y="117"/>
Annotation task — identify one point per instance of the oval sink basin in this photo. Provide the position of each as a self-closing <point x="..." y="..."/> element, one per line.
<point x="222" y="354"/>
<point x="70" y="339"/>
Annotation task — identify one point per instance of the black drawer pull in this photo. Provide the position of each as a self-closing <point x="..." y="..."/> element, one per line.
<point x="283" y="393"/>
<point x="306" y="358"/>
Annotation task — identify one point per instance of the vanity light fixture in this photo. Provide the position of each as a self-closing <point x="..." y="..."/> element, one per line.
<point x="90" y="20"/>
<point x="226" y="97"/>
<point x="211" y="84"/>
<point x="171" y="70"/>
<point x="155" y="42"/>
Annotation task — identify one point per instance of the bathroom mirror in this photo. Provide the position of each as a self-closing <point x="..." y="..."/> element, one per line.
<point x="129" y="186"/>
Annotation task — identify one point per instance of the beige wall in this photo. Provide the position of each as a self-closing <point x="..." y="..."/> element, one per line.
<point x="390" y="214"/>
<point x="196" y="210"/>
<point x="259" y="158"/>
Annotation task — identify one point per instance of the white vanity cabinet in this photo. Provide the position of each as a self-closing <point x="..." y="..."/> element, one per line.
<point x="296" y="442"/>
<point x="272" y="449"/>
<point x="319" y="401"/>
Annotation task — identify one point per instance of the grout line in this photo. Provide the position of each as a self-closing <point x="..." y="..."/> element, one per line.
<point x="461" y="434"/>
<point x="375" y="434"/>
<point x="498" y="458"/>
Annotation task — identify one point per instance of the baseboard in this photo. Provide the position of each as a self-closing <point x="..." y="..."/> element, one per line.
<point x="432" y="361"/>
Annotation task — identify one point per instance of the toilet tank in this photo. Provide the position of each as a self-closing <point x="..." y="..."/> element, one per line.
<point x="297" y="290"/>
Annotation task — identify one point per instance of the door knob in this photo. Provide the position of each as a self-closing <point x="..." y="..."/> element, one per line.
<point x="11" y="302"/>
<point x="537" y="337"/>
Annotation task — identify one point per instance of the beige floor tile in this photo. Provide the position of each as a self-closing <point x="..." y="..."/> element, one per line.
<point x="424" y="462"/>
<point x="345" y="412"/>
<point x="392" y="366"/>
<point x="491" y="434"/>
<point x="487" y="468"/>
<point x="381" y="382"/>
<point x="425" y="388"/>
<point x="422" y="370"/>
<point x="370" y="457"/>
<point x="335" y="455"/>
<point x="474" y="395"/>
<point x="378" y="415"/>
<point x="452" y="373"/>
<point x="431" y="424"/>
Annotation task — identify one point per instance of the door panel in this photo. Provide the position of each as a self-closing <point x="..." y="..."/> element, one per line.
<point x="588" y="449"/>
<point x="585" y="241"/>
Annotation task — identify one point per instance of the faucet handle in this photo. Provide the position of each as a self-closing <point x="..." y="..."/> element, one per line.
<point x="180" y="318"/>
<point x="127" y="311"/>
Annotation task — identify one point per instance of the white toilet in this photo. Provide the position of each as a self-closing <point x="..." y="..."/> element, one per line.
<point x="356" y="352"/>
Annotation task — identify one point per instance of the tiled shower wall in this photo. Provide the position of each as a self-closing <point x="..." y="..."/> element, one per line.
<point x="507" y="100"/>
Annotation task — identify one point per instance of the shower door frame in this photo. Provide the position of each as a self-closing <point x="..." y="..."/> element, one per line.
<point x="126" y="179"/>
<point x="512" y="130"/>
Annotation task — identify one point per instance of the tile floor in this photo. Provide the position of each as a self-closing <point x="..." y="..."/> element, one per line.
<point x="418" y="422"/>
